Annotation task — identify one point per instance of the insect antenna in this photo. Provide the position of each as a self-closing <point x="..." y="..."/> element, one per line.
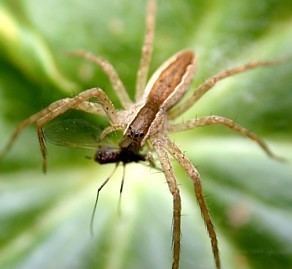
<point x="121" y="191"/>
<point x="97" y="196"/>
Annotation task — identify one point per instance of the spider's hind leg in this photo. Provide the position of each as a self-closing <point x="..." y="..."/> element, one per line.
<point x="195" y="177"/>
<point x="172" y="185"/>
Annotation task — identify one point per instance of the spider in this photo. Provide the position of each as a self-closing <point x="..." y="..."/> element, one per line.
<point x="147" y="122"/>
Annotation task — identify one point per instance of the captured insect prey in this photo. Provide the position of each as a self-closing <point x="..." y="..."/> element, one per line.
<point x="142" y="127"/>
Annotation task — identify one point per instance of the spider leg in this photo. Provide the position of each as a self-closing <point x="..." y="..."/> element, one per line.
<point x="212" y="81"/>
<point x="218" y="120"/>
<point x="194" y="175"/>
<point x="151" y="161"/>
<point x="110" y="71"/>
<point x="147" y="49"/>
<point x="54" y="110"/>
<point x="110" y="129"/>
<point x="91" y="107"/>
<point x="172" y="185"/>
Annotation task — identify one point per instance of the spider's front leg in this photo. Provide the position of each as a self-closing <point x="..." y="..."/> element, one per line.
<point x="209" y="83"/>
<point x="110" y="71"/>
<point x="219" y="120"/>
<point x="172" y="185"/>
<point x="147" y="49"/>
<point x="59" y="107"/>
<point x="194" y="175"/>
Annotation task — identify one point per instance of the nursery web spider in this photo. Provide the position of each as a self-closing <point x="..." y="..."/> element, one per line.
<point x="147" y="122"/>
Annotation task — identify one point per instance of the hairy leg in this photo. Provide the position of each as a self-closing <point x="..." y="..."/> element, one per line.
<point x="218" y="120"/>
<point x="194" y="174"/>
<point x="110" y="71"/>
<point x="91" y="107"/>
<point x="54" y="110"/>
<point x="172" y="185"/>
<point x="147" y="49"/>
<point x="211" y="82"/>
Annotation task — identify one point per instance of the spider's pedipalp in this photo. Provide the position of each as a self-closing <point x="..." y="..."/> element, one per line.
<point x="57" y="108"/>
<point x="219" y="120"/>
<point x="212" y="81"/>
<point x="110" y="71"/>
<point x="194" y="175"/>
<point x="111" y="129"/>
<point x="147" y="49"/>
<point x="173" y="188"/>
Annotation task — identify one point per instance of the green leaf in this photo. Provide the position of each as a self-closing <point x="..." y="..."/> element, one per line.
<point x="44" y="219"/>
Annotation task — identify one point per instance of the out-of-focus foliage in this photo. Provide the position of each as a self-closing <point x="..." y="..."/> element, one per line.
<point x="44" y="218"/>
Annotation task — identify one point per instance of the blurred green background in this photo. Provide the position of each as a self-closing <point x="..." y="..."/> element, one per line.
<point x="44" y="219"/>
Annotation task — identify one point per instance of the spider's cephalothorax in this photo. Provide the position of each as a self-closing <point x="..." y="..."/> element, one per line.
<point x="150" y="120"/>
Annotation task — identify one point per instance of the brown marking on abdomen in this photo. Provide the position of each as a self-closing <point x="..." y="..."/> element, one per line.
<point x="169" y="79"/>
<point x="163" y="87"/>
